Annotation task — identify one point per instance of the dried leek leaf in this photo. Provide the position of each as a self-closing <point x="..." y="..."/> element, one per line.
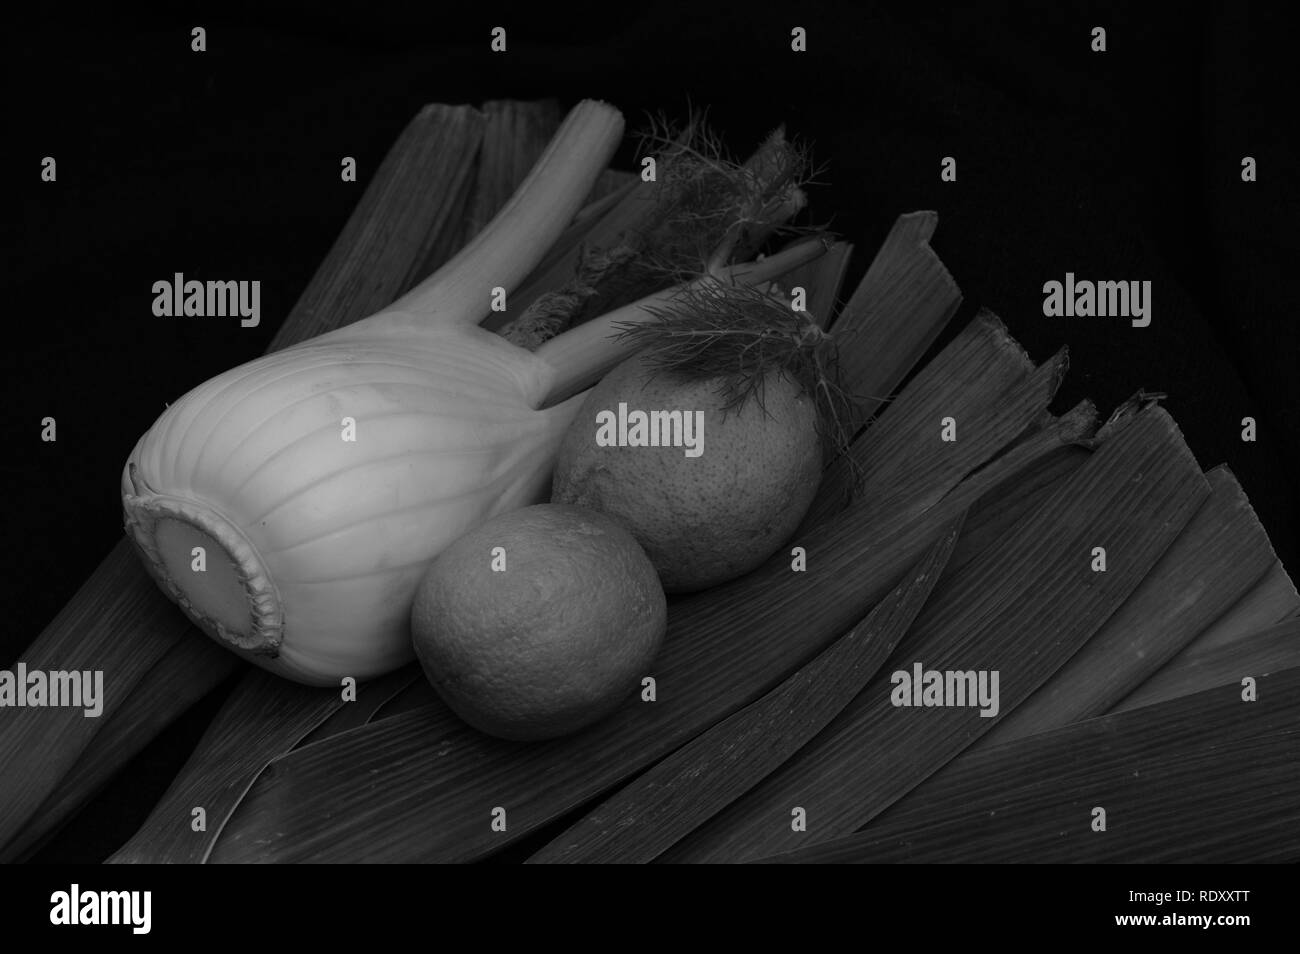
<point x="1220" y="555"/>
<point x="987" y="363"/>
<point x="1198" y="779"/>
<point x="1267" y="651"/>
<point x="117" y="623"/>
<point x="415" y="696"/>
<point x="264" y="717"/>
<point x="1272" y="599"/>
<point x="821" y="279"/>
<point x="707" y="774"/>
<point x="514" y="137"/>
<point x="1022" y="610"/>
<point x="187" y="672"/>
<point x="413" y="206"/>
<point x="416" y="786"/>
<point x="611" y="185"/>
<point x="1005" y="506"/>
<point x="371" y="698"/>
<point x="959" y="437"/>
<point x="897" y="311"/>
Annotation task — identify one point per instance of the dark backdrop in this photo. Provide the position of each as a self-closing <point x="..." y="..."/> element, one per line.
<point x="1121" y="165"/>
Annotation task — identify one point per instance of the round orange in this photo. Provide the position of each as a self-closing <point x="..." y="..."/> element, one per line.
<point x="539" y="622"/>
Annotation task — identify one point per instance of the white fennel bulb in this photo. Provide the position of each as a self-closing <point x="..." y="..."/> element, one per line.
<point x="313" y="544"/>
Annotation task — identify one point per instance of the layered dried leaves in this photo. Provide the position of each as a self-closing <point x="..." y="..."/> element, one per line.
<point x="1195" y="779"/>
<point x="704" y="776"/>
<point x="1021" y="610"/>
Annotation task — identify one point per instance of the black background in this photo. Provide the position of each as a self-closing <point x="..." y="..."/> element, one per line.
<point x="225" y="164"/>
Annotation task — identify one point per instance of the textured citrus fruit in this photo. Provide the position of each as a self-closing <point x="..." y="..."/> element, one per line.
<point x="707" y="519"/>
<point x="539" y="622"/>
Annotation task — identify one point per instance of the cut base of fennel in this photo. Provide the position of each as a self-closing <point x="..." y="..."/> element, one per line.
<point x="205" y="564"/>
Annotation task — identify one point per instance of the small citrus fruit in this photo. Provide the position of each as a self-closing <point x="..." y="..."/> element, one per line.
<point x="539" y="622"/>
<point x="702" y="519"/>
